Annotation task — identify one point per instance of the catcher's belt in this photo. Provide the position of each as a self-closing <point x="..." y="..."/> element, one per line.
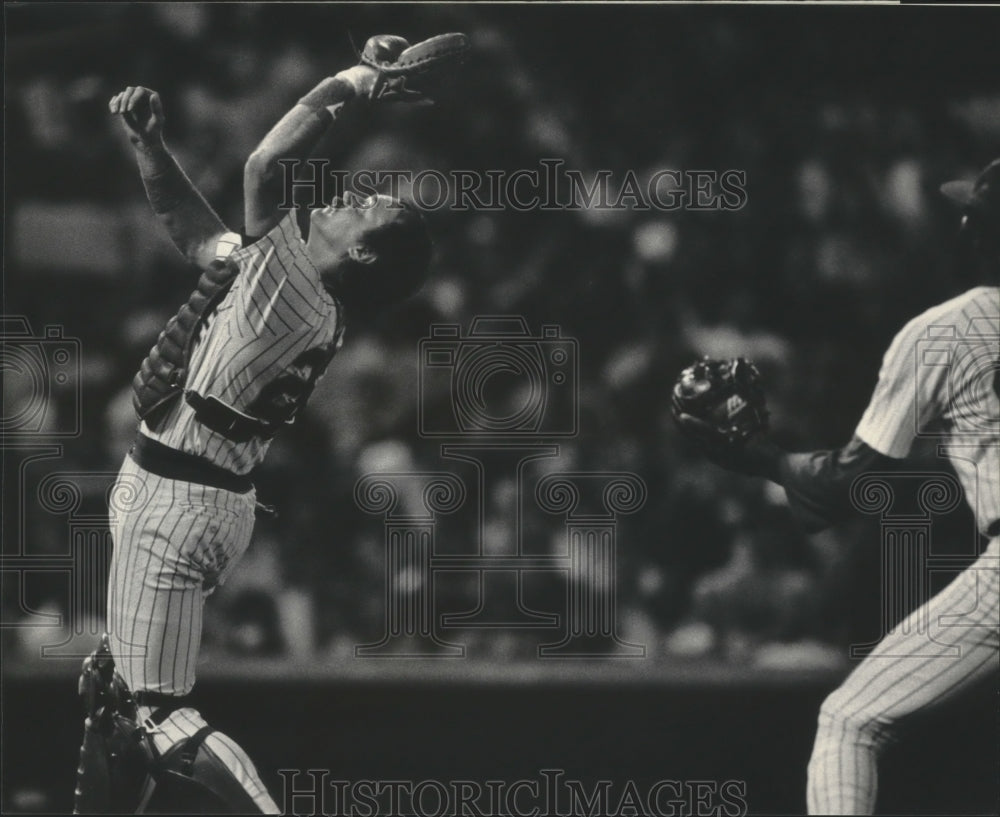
<point x="170" y="463"/>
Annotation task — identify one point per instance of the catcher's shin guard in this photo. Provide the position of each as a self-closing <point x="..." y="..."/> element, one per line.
<point x="191" y="779"/>
<point x="114" y="772"/>
<point x="93" y="780"/>
<point x="120" y="770"/>
<point x="113" y="775"/>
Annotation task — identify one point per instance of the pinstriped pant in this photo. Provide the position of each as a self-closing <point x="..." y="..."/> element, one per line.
<point x="174" y="542"/>
<point x="949" y="644"/>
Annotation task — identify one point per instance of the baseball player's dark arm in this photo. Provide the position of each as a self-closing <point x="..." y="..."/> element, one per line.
<point x="190" y="221"/>
<point x="817" y="483"/>
<point x="294" y="137"/>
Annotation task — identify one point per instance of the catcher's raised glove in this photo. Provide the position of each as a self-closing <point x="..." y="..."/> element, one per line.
<point x="720" y="403"/>
<point x="403" y="69"/>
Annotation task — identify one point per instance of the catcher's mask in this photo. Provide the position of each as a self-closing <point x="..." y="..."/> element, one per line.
<point x="980" y="203"/>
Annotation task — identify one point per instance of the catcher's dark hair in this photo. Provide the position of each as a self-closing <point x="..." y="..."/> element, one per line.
<point x="403" y="252"/>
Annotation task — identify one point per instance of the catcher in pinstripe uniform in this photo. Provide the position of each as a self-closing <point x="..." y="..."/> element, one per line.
<point x="940" y="377"/>
<point x="235" y="365"/>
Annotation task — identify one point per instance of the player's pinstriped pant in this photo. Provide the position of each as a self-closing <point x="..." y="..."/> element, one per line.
<point x="183" y="723"/>
<point x="173" y="543"/>
<point x="910" y="670"/>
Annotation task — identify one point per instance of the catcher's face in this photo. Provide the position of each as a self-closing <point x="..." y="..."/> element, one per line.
<point x="337" y="232"/>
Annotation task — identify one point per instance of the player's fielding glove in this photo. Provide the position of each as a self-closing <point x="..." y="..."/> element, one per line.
<point x="721" y="406"/>
<point x="404" y="70"/>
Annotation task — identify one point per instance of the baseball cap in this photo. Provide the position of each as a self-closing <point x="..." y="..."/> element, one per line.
<point x="983" y="193"/>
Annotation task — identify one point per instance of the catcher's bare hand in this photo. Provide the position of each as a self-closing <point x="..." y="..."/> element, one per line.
<point x="141" y="112"/>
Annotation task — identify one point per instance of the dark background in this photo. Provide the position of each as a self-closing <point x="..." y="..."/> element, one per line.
<point x="844" y="119"/>
<point x="756" y="731"/>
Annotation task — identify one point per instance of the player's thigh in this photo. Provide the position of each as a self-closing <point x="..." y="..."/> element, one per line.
<point x="168" y="534"/>
<point x="168" y="554"/>
<point x="225" y="522"/>
<point x="141" y="513"/>
<point x="948" y="644"/>
<point x="156" y="628"/>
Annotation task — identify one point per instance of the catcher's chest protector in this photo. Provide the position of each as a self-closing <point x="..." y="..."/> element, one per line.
<point x="162" y="374"/>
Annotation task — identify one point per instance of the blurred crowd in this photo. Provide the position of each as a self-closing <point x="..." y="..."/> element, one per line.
<point x="841" y="239"/>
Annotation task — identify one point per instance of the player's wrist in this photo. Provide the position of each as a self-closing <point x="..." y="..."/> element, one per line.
<point x="757" y="457"/>
<point x="765" y="458"/>
<point x="153" y="144"/>
<point x="332" y="93"/>
<point x="361" y="78"/>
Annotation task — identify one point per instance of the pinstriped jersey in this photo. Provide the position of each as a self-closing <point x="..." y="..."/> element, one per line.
<point x="261" y="350"/>
<point x="940" y="378"/>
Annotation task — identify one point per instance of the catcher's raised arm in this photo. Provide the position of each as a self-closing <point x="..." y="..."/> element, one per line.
<point x="390" y="70"/>
<point x="189" y="219"/>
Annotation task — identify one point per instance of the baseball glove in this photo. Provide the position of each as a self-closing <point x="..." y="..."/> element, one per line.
<point x="404" y="69"/>
<point x="720" y="403"/>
